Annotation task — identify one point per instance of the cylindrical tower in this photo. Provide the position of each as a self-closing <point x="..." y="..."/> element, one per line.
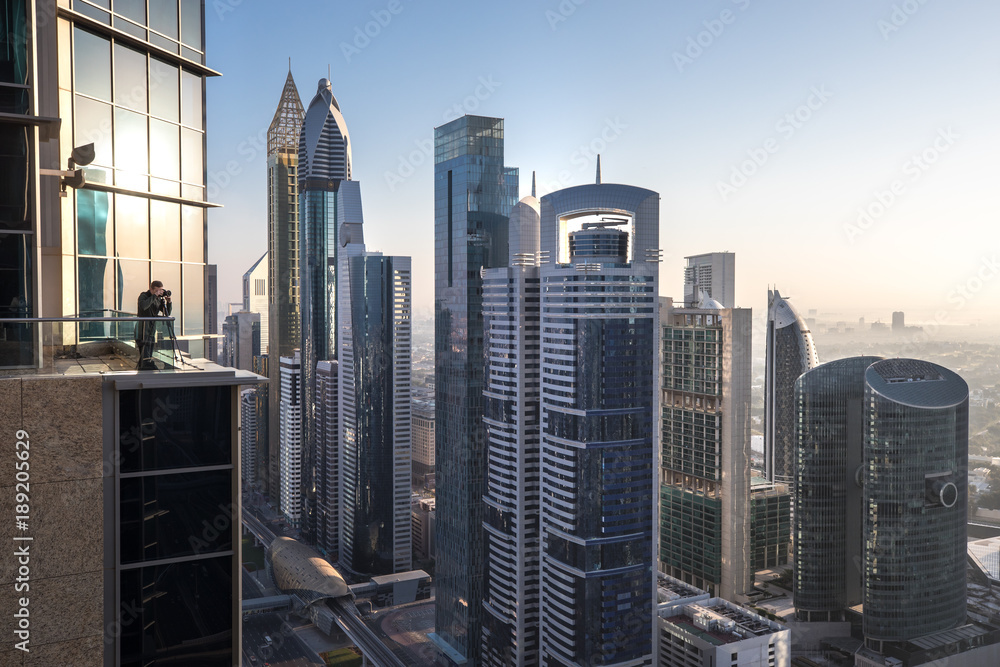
<point x="916" y="457"/>
<point x="829" y="436"/>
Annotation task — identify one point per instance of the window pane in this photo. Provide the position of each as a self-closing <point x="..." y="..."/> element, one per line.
<point x="164" y="149"/>
<point x="93" y="125"/>
<point x="92" y="64"/>
<point x="133" y="279"/>
<point x="170" y="275"/>
<point x="165" y="229"/>
<point x="95" y="231"/>
<point x="164" y="82"/>
<point x="194" y="299"/>
<point x="14" y="177"/>
<point x="191" y="23"/>
<point x="133" y="9"/>
<point x="161" y="514"/>
<point x="130" y="78"/>
<point x="131" y="142"/>
<point x="14" y="43"/>
<point x="163" y="17"/>
<point x="193" y="233"/>
<point x="191" y="106"/>
<point x="167" y="627"/>
<point x="95" y="281"/>
<point x="15" y="289"/>
<point x="192" y="156"/>
<point x="132" y="227"/>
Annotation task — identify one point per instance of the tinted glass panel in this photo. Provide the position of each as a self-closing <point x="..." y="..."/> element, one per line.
<point x="95" y="230"/>
<point x="191" y="100"/>
<point x="14" y="177"/>
<point x="133" y="9"/>
<point x="191" y="23"/>
<point x="193" y="233"/>
<point x="130" y="78"/>
<point x="176" y="427"/>
<point x="95" y="282"/>
<point x="168" y="627"/>
<point x="165" y="149"/>
<point x="165" y="230"/>
<point x="131" y="142"/>
<point x="14" y="43"/>
<point x="133" y="278"/>
<point x="92" y="64"/>
<point x="132" y="227"/>
<point x="194" y="298"/>
<point x="192" y="156"/>
<point x="162" y="515"/>
<point x="93" y="126"/>
<point x="164" y="81"/>
<point x="163" y="17"/>
<point x="169" y="274"/>
<point x="15" y="288"/>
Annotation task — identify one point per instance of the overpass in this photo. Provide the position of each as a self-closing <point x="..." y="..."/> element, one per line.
<point x="300" y="571"/>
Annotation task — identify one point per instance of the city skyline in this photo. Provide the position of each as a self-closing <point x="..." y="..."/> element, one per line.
<point x="880" y="97"/>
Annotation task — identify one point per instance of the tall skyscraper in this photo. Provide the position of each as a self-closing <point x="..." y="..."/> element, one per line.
<point x="328" y="459"/>
<point x="291" y="438"/>
<point x="790" y="353"/>
<point x="882" y="501"/>
<point x="375" y="354"/>
<point x="211" y="311"/>
<point x="240" y="339"/>
<point x="126" y="470"/>
<point x="284" y="317"/>
<point x="473" y="195"/>
<point x="829" y="507"/>
<point x="324" y="161"/>
<point x="248" y="436"/>
<point x="712" y="274"/>
<point x="511" y="414"/>
<point x="599" y="318"/>
<point x="704" y="523"/>
<point x="255" y="296"/>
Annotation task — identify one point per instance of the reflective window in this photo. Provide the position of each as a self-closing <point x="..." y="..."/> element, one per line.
<point x="193" y="233"/>
<point x="130" y="78"/>
<point x="170" y="275"/>
<point x="174" y="427"/>
<point x="166" y="624"/>
<point x="92" y="60"/>
<point x="164" y="149"/>
<point x="132" y="227"/>
<point x="192" y="156"/>
<point x="14" y="177"/>
<point x="95" y="229"/>
<point x="163" y="17"/>
<point x="161" y="515"/>
<point x="194" y="298"/>
<point x="14" y="44"/>
<point x="191" y="23"/>
<point x="96" y="288"/>
<point x="133" y="9"/>
<point x="15" y="290"/>
<point x="164" y="83"/>
<point x="131" y="143"/>
<point x="132" y="276"/>
<point x="191" y="100"/>
<point x="165" y="230"/>
<point x="93" y="125"/>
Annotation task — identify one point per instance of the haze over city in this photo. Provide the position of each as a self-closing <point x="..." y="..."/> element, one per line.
<point x="844" y="151"/>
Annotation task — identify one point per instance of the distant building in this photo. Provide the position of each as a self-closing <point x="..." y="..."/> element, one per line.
<point x="248" y="436"/>
<point x="770" y="524"/>
<point x="898" y="321"/>
<point x="255" y="297"/>
<point x="422" y="515"/>
<point x="211" y="311"/>
<point x="713" y="275"/>
<point x="240" y="340"/>
<point x="423" y="440"/>
<point x="790" y="353"/>
<point x="290" y="411"/>
<point x="328" y="458"/>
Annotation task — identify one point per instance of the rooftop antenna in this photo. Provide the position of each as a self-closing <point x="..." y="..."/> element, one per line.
<point x="598" y="168"/>
<point x="533" y="184"/>
<point x="289" y="64"/>
<point x="329" y="74"/>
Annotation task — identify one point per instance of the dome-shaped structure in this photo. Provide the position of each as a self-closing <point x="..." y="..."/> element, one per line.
<point x="299" y="570"/>
<point x="324" y="144"/>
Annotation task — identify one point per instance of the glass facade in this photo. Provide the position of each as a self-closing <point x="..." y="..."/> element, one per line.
<point x="473" y="197"/>
<point x="175" y="525"/>
<point x="829" y="513"/>
<point x="770" y="527"/>
<point x="916" y="457"/>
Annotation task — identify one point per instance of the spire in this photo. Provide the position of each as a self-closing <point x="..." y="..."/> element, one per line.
<point x="598" y="168"/>
<point x="283" y="133"/>
<point x="533" y="184"/>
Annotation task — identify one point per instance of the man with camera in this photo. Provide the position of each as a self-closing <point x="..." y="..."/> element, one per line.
<point x="152" y="303"/>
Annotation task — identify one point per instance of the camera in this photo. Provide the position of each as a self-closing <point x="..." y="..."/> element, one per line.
<point x="166" y="292"/>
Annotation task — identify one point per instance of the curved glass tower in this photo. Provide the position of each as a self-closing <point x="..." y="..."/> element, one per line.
<point x="829" y="512"/>
<point x="598" y="450"/>
<point x="790" y="353"/>
<point x="916" y="458"/>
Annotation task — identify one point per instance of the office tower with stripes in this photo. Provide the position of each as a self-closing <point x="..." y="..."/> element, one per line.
<point x="328" y="459"/>
<point x="290" y="410"/>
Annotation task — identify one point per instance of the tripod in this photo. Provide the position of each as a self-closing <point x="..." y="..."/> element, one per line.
<point x="175" y="355"/>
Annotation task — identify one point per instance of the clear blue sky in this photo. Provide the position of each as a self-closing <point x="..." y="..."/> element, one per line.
<point x="821" y="108"/>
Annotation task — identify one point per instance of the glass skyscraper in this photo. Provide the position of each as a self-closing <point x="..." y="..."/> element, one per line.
<point x="599" y="318"/>
<point x="473" y="196"/>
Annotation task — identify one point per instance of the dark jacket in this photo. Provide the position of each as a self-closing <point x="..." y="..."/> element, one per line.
<point x="149" y="305"/>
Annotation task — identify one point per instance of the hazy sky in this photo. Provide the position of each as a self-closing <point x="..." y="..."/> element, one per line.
<point x="766" y="127"/>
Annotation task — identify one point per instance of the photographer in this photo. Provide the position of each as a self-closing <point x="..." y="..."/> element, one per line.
<point x="152" y="303"/>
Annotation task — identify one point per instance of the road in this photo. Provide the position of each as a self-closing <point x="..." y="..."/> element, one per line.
<point x="285" y="649"/>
